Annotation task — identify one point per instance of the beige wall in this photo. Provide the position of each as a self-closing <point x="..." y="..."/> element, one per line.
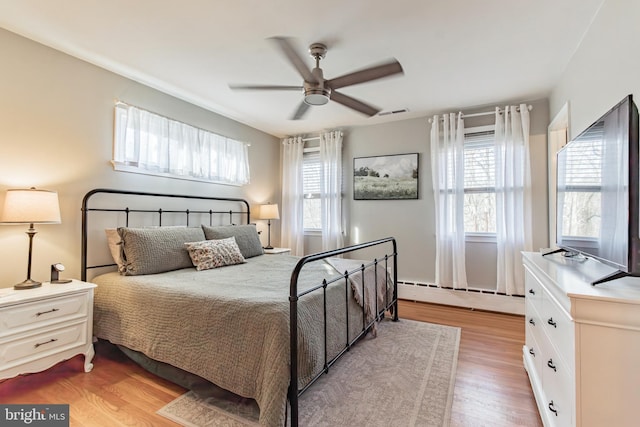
<point x="56" y="121"/>
<point x="412" y="222"/>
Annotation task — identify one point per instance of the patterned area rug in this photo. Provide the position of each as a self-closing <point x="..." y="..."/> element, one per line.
<point x="404" y="377"/>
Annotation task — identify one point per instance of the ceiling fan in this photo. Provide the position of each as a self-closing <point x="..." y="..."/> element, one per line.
<point x="317" y="90"/>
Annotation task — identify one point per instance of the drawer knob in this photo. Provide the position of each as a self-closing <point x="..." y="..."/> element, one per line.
<point x="532" y="292"/>
<point x="46" y="342"/>
<point x="53" y="310"/>
<point x="532" y="321"/>
<point x="552" y="408"/>
<point x="551" y="365"/>
<point x="552" y="323"/>
<point x="531" y="352"/>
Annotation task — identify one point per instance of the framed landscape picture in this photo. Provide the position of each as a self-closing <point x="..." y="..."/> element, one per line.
<point x="391" y="177"/>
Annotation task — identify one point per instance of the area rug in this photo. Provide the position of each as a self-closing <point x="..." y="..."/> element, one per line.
<point x="403" y="377"/>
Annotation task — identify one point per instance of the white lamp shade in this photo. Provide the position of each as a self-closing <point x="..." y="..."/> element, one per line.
<point x="269" y="212"/>
<point x="31" y="206"/>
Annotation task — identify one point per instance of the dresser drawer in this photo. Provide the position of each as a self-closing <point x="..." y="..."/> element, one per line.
<point x="31" y="347"/>
<point x="32" y="315"/>
<point x="560" y="329"/>
<point x="534" y="353"/>
<point x="558" y="391"/>
<point x="533" y="291"/>
<point x="533" y="325"/>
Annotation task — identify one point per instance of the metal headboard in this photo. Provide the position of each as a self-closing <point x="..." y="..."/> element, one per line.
<point x="243" y="213"/>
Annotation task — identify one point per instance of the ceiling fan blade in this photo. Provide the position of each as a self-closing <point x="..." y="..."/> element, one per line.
<point x="353" y="103"/>
<point x="300" y="111"/>
<point x="265" y="87"/>
<point x="298" y="62"/>
<point x="368" y="74"/>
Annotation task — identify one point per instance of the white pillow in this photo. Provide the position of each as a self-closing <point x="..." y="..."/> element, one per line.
<point x="214" y="253"/>
<point x="115" y="246"/>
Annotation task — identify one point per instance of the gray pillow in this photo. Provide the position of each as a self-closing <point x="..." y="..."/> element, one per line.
<point x="156" y="250"/>
<point x="246" y="237"/>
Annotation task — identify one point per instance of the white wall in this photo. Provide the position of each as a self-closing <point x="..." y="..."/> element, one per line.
<point x="605" y="67"/>
<point x="56" y="127"/>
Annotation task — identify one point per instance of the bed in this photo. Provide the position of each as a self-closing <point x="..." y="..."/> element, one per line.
<point x="264" y="327"/>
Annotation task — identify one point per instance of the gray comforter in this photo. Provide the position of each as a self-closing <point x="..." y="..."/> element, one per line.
<point x="228" y="325"/>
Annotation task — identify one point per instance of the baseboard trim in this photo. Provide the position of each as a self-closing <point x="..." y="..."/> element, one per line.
<point x="462" y="298"/>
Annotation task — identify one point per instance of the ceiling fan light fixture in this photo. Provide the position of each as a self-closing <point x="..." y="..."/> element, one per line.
<point x="316" y="96"/>
<point x="317" y="90"/>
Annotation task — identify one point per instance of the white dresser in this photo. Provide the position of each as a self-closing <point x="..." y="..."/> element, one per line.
<point x="43" y="326"/>
<point x="582" y="350"/>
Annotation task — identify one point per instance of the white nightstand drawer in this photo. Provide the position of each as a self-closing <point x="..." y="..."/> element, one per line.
<point x="32" y="315"/>
<point x="43" y="326"/>
<point x="54" y="340"/>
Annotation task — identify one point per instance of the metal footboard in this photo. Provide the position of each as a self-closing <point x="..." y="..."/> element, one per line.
<point x="294" y="296"/>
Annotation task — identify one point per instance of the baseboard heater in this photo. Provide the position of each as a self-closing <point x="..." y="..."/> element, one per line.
<point x="476" y="298"/>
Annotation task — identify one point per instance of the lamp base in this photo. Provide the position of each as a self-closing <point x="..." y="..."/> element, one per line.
<point x="27" y="284"/>
<point x="268" y="247"/>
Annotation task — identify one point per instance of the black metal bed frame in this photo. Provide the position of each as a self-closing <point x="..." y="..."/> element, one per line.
<point x="294" y="296"/>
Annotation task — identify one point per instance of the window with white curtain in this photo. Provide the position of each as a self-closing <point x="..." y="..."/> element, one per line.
<point x="151" y="144"/>
<point x="311" y="175"/>
<point x="479" y="182"/>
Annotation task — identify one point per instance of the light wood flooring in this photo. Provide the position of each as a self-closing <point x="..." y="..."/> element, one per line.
<point x="492" y="387"/>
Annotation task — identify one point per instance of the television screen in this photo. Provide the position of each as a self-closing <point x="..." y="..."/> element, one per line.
<point x="593" y="216"/>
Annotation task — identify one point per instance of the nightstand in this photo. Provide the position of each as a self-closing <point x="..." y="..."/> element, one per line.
<point x="43" y="326"/>
<point x="277" y="251"/>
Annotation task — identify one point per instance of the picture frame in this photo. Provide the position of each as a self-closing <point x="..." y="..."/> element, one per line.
<point x="389" y="177"/>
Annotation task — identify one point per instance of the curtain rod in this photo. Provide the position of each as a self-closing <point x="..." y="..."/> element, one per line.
<point x="486" y="113"/>
<point x="313" y="138"/>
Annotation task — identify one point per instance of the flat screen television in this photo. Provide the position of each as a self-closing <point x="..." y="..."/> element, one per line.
<point x="598" y="192"/>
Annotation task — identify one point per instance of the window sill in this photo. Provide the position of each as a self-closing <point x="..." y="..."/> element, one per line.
<point x="120" y="167"/>
<point x="480" y="238"/>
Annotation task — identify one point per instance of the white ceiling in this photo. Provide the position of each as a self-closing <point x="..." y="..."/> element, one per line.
<point x="455" y="53"/>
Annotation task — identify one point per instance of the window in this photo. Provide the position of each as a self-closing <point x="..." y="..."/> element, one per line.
<point x="311" y="171"/>
<point x="479" y="181"/>
<point x="580" y="178"/>
<point x="151" y="144"/>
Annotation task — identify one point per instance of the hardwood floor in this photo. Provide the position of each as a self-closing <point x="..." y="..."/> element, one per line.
<point x="492" y="388"/>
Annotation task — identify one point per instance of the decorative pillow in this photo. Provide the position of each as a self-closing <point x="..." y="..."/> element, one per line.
<point x="246" y="237"/>
<point x="214" y="253"/>
<point x="156" y="250"/>
<point x="113" y="240"/>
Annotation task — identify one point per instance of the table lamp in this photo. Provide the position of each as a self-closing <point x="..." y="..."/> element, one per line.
<point x="269" y="212"/>
<point x="30" y="206"/>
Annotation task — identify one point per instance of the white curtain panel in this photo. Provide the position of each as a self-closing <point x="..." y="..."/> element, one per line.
<point x="292" y="215"/>
<point x="152" y="143"/>
<point x="447" y="168"/>
<point x="513" y="197"/>
<point x="331" y="190"/>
